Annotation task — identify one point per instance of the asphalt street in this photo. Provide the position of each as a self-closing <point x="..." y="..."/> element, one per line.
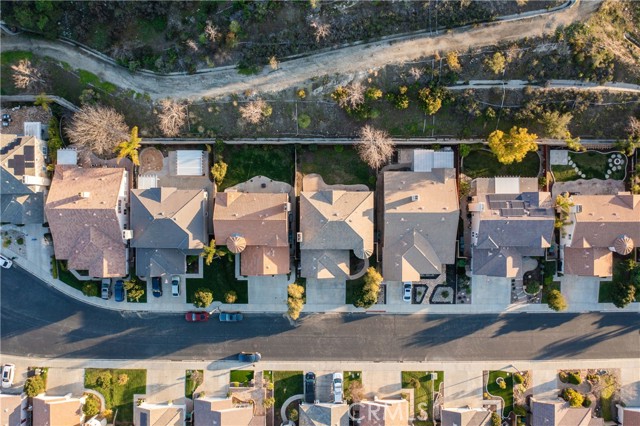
<point x="37" y="320"/>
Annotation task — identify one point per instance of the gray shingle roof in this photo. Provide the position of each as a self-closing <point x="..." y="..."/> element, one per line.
<point x="159" y="262"/>
<point x="324" y="415"/>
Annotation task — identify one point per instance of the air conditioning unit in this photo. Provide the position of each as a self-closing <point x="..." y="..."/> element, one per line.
<point x="415" y="197"/>
<point x="84" y="194"/>
<point x="127" y="234"/>
<point x="287" y="207"/>
<point x="299" y="237"/>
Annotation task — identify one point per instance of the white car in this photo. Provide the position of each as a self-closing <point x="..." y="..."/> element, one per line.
<point x="406" y="292"/>
<point x="5" y="262"/>
<point x="8" y="371"/>
<point x="337" y="388"/>
<point x="175" y="286"/>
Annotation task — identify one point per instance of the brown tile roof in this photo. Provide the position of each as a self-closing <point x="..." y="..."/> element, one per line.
<point x="599" y="220"/>
<point x="160" y="414"/>
<point x="261" y="218"/>
<point x="419" y="236"/>
<point x="631" y="417"/>
<point x="333" y="220"/>
<point x="213" y="411"/>
<point x="57" y="411"/>
<point x="323" y="414"/>
<point x="86" y="230"/>
<point x="384" y="413"/>
<point x="465" y="417"/>
<point x="10" y="409"/>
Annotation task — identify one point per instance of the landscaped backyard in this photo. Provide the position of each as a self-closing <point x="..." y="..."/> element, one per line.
<point x="247" y="161"/>
<point x="591" y="165"/>
<point x="496" y="390"/>
<point x="117" y="387"/>
<point x="424" y="390"/>
<point x="219" y="277"/>
<point x="336" y="164"/>
<point x="482" y="163"/>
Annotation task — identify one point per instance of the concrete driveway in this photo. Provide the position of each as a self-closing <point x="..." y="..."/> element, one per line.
<point x="580" y="292"/>
<point x="268" y="290"/>
<point x="326" y="292"/>
<point x="494" y="291"/>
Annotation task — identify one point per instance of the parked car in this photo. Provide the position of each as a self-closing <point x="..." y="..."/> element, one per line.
<point x="310" y="388"/>
<point x="230" y="317"/>
<point x="119" y="290"/>
<point x="8" y="372"/>
<point x="196" y="316"/>
<point x="106" y="291"/>
<point x="175" y="285"/>
<point x="6" y="116"/>
<point x="5" y="262"/>
<point x="337" y="388"/>
<point x="406" y="292"/>
<point x="156" y="286"/>
<point x="249" y="357"/>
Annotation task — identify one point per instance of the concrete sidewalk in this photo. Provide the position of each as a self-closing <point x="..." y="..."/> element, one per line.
<point x="490" y="295"/>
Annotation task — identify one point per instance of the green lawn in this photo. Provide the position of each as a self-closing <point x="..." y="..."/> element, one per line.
<point x="241" y="376"/>
<point x="193" y="379"/>
<point x="423" y="393"/>
<point x="336" y="164"/>
<point x="605" y="398"/>
<point x="604" y="292"/>
<point x="247" y="161"/>
<point x="354" y="287"/>
<point x="485" y="164"/>
<point x="219" y="277"/>
<point x="506" y="394"/>
<point x="349" y="377"/>
<point x="620" y="275"/>
<point x="69" y="279"/>
<point x="285" y="385"/>
<point x="117" y="396"/>
<point x="592" y="163"/>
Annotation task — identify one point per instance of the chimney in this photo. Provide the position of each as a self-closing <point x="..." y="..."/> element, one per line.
<point x="84" y="194"/>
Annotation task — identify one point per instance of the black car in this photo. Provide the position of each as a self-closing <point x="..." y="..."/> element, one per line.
<point x="156" y="286"/>
<point x="309" y="388"/>
<point x="249" y="357"/>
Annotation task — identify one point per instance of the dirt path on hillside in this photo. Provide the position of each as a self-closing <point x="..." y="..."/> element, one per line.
<point x="348" y="60"/>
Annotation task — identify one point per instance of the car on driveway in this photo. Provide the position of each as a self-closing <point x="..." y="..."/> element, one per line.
<point x="337" y="388"/>
<point x="106" y="291"/>
<point x="196" y="316"/>
<point x="119" y="291"/>
<point x="310" y="387"/>
<point x="249" y="356"/>
<point x="230" y="316"/>
<point x="156" y="286"/>
<point x="175" y="286"/>
<point x="406" y="292"/>
<point x="8" y="372"/>
<point x="5" y="262"/>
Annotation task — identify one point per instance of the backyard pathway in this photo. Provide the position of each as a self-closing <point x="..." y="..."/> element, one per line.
<point x="347" y="60"/>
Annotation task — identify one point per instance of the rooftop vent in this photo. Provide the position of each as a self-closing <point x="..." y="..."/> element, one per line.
<point x="84" y="194"/>
<point x="299" y="237"/>
<point x="415" y="197"/>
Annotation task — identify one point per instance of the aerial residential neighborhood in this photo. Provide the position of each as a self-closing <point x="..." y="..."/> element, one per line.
<point x="320" y="213"/>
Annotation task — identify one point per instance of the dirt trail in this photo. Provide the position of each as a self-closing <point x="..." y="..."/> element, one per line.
<point x="348" y="60"/>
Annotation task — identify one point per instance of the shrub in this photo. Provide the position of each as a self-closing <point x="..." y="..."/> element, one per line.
<point x="502" y="384"/>
<point x="369" y="296"/>
<point x="464" y="150"/>
<point x="556" y="301"/>
<point x="34" y="386"/>
<point x="593" y="378"/>
<point x="91" y="406"/>
<point x="295" y="301"/>
<point x="202" y="298"/>
<point x="562" y="376"/>
<point x="338" y="148"/>
<point x="103" y="379"/>
<point x="518" y="378"/>
<point x="519" y="410"/>
<point x="230" y="297"/>
<point x="496" y="420"/>
<point x="574" y="378"/>
<point x="415" y="383"/>
<point x="292" y="414"/>
<point x="304" y="121"/>
<point x="302" y="93"/>
<point x="90" y="289"/>
<point x="123" y="379"/>
<point x="268" y="402"/>
<point x="219" y="171"/>
<point x="533" y="287"/>
<point x="574" y="397"/>
<point x="586" y="403"/>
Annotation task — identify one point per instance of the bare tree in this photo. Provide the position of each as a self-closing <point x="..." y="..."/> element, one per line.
<point x="375" y="147"/>
<point x="172" y="116"/>
<point x="320" y="30"/>
<point x="633" y="127"/>
<point x="350" y="96"/>
<point x="98" y="128"/>
<point x="212" y="32"/>
<point x="416" y="73"/>
<point x="191" y="44"/>
<point x="25" y="75"/>
<point x="255" y="111"/>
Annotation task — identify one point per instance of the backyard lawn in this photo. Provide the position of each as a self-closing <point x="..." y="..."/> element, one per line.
<point x="247" y="161"/>
<point x="285" y="385"/>
<point x="593" y="164"/>
<point x="484" y="164"/>
<point x="117" y="397"/>
<point x="219" y="277"/>
<point x="336" y="164"/>
<point x="240" y="376"/>
<point x="422" y="394"/>
<point x="349" y="377"/>
<point x="506" y="394"/>
<point x="193" y="379"/>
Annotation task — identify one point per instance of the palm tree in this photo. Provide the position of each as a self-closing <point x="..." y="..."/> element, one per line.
<point x="211" y="252"/>
<point x="130" y="148"/>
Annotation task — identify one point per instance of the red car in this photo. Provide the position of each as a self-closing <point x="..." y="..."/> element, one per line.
<point x="196" y="316"/>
